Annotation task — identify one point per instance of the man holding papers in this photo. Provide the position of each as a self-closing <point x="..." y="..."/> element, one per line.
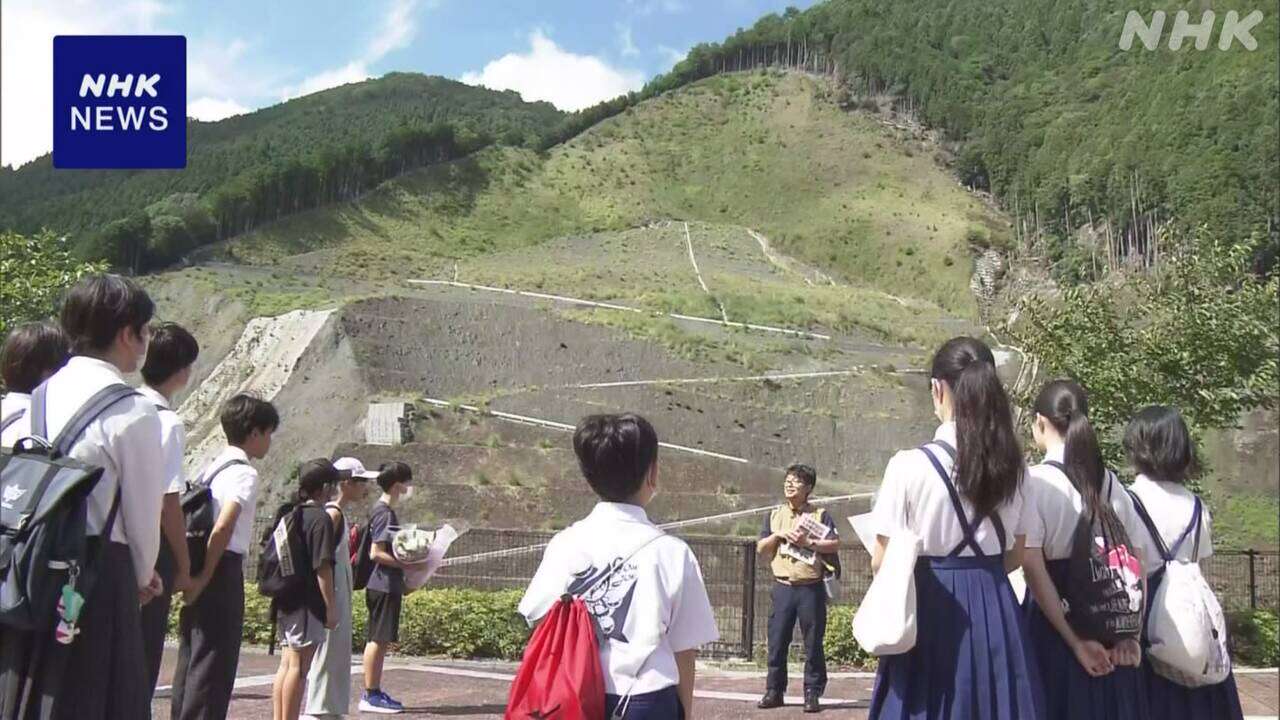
<point x="797" y="539"/>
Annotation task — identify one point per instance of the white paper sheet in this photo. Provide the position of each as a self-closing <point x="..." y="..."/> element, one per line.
<point x="862" y="527"/>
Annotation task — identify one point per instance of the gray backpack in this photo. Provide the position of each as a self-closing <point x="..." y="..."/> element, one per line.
<point x="43" y="516"/>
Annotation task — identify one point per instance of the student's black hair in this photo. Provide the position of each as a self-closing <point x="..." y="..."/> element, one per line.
<point x="1064" y="404"/>
<point x="32" y="352"/>
<point x="243" y="414"/>
<point x="615" y="453"/>
<point x="988" y="467"/>
<point x="393" y="472"/>
<point x="314" y="475"/>
<point x="172" y="350"/>
<point x="98" y="307"/>
<point x="1159" y="444"/>
<point x="805" y="473"/>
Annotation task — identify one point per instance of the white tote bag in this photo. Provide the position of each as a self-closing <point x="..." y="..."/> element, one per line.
<point x="885" y="623"/>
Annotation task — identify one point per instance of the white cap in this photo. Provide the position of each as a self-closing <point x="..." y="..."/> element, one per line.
<point x="354" y="468"/>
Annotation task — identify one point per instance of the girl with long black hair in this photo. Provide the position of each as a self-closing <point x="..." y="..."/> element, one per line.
<point x="961" y="495"/>
<point x="1083" y="679"/>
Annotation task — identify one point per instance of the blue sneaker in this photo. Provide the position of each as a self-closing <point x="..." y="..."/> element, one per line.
<point x="379" y="702"/>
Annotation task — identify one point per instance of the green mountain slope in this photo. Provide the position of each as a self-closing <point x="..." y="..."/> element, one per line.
<point x="1063" y="126"/>
<point x="256" y="167"/>
<point x="771" y="152"/>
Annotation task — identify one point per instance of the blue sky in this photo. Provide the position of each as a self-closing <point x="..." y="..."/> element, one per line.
<point x="243" y="55"/>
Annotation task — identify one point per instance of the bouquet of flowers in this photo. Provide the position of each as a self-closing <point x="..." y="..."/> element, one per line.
<point x="411" y="544"/>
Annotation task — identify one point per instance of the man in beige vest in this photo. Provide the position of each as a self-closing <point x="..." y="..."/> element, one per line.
<point x="798" y="566"/>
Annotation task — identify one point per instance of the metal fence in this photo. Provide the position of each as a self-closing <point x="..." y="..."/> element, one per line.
<point x="739" y="583"/>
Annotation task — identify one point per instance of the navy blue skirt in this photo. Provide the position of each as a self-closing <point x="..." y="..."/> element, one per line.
<point x="972" y="659"/>
<point x="1070" y="692"/>
<point x="1171" y="701"/>
<point x="661" y="704"/>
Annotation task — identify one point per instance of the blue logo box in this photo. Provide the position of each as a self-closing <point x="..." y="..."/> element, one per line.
<point x="119" y="101"/>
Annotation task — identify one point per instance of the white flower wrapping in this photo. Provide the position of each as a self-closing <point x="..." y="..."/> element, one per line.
<point x="422" y="550"/>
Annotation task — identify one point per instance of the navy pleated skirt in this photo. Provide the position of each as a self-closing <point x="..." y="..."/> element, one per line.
<point x="972" y="659"/>
<point x="1171" y="701"/>
<point x="1070" y="692"/>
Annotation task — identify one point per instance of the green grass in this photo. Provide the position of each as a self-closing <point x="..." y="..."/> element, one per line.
<point x="763" y="151"/>
<point x="1246" y="520"/>
<point x="682" y="343"/>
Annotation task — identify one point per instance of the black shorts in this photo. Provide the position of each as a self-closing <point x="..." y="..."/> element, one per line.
<point x="384" y="616"/>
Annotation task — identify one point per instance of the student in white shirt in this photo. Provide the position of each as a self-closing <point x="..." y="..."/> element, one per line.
<point x="106" y="318"/>
<point x="1083" y="679"/>
<point x="31" y="354"/>
<point x="653" y="607"/>
<point x="1161" y="450"/>
<point x="961" y="495"/>
<point x="165" y="374"/>
<point x="212" y="617"/>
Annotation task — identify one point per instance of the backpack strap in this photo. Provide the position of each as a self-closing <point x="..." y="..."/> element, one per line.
<point x="1145" y="517"/>
<point x="76" y="425"/>
<point x="946" y="448"/>
<point x="970" y="540"/>
<point x="624" y="561"/>
<point x="1193" y="526"/>
<point x="207" y="480"/>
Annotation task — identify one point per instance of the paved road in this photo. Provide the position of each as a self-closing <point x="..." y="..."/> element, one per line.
<point x="437" y="688"/>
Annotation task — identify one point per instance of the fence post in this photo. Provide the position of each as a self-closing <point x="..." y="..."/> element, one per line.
<point x="749" y="599"/>
<point x="1253" y="579"/>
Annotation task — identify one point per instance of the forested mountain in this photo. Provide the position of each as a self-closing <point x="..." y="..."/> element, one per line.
<point x="1064" y="127"/>
<point x="257" y="167"/>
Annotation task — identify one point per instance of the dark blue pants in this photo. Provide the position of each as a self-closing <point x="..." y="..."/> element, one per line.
<point x="808" y="604"/>
<point x="662" y="704"/>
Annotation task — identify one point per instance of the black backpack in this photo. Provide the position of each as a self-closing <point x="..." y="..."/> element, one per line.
<point x="361" y="563"/>
<point x="1103" y="591"/>
<point x="284" y="565"/>
<point x="44" y="513"/>
<point x="200" y="514"/>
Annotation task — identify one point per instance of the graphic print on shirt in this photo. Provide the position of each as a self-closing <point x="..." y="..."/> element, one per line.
<point x="608" y="601"/>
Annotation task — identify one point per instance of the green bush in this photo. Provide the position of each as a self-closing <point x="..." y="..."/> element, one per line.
<point x="1254" y="636"/>
<point x="840" y="647"/>
<point x="457" y="623"/>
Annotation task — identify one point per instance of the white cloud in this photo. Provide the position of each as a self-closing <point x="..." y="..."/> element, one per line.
<point x="26" y="66"/>
<point x="547" y="72"/>
<point x="210" y="109"/>
<point x="629" y="48"/>
<point x="394" y="32"/>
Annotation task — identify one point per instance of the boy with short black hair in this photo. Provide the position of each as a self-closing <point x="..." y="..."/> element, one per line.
<point x="165" y="374"/>
<point x="643" y="587"/>
<point x="303" y="625"/>
<point x="385" y="590"/>
<point x="31" y="354"/>
<point x="106" y="319"/>
<point x="212" y="618"/>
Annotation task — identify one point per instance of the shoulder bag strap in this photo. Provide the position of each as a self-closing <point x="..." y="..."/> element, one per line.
<point x="207" y="480"/>
<point x="12" y="418"/>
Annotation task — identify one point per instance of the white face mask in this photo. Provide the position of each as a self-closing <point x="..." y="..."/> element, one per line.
<point x="408" y="493"/>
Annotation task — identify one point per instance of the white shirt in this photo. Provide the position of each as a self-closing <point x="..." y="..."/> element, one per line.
<point x="1171" y="506"/>
<point x="125" y="441"/>
<point x="13" y="402"/>
<point x="914" y="497"/>
<point x="173" y="439"/>
<point x="1054" y="508"/>
<point x="654" y="606"/>
<point x="239" y="484"/>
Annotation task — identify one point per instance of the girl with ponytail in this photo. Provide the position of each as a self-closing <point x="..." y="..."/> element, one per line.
<point x="961" y="495"/>
<point x="1084" y="677"/>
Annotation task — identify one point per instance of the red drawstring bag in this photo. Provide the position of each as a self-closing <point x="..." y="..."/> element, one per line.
<point x="560" y="676"/>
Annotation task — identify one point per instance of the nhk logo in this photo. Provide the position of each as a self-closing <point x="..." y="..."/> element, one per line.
<point x="119" y="101"/>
